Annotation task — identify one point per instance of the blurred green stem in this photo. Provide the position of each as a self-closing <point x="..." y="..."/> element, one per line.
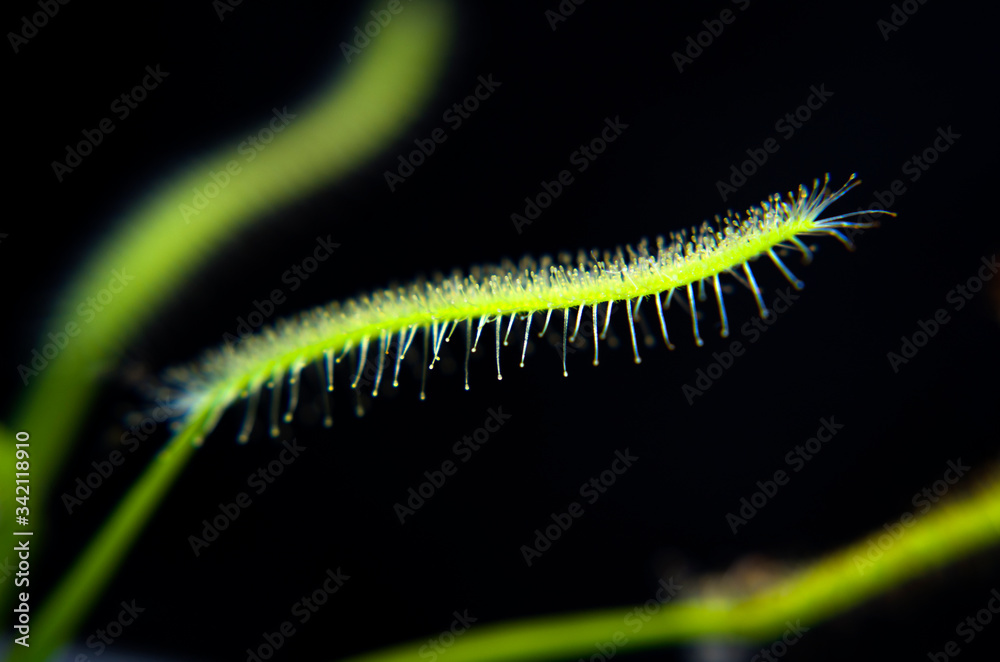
<point x="363" y="110"/>
<point x="826" y="587"/>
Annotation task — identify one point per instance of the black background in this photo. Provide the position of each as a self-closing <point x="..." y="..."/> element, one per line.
<point x="666" y="515"/>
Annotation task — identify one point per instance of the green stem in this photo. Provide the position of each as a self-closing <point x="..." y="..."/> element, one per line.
<point x="157" y="246"/>
<point x="828" y="586"/>
<point x="67" y="606"/>
<point x="364" y="109"/>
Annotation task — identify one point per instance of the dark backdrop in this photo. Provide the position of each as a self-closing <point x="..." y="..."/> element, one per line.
<point x="666" y="515"/>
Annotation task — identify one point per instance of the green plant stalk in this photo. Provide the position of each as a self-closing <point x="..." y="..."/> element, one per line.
<point x="680" y="264"/>
<point x="68" y="605"/>
<point x="489" y="293"/>
<point x="363" y="110"/>
<point x="827" y="587"/>
<point x="822" y="589"/>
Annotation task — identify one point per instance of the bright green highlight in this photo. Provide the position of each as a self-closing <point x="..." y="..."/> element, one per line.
<point x="491" y="292"/>
<point x="362" y="111"/>
<point x="829" y="586"/>
<point x="366" y="106"/>
<point x="66" y="607"/>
